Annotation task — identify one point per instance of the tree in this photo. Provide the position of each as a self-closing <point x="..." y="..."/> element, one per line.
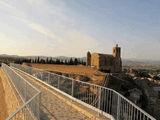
<point x="50" y="61"/>
<point x="38" y="60"/>
<point x="42" y="61"/>
<point x="65" y="62"/>
<point x="35" y="60"/>
<point x="29" y="61"/>
<point x="75" y="61"/>
<point x="83" y="63"/>
<point x="79" y="61"/>
<point x="57" y="61"/>
<point x="47" y="61"/>
<point x="18" y="61"/>
<point x="71" y="62"/>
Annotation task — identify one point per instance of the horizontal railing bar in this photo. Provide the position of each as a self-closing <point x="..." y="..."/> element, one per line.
<point x="140" y="109"/>
<point x="24" y="105"/>
<point x="94" y="85"/>
<point x="68" y="77"/>
<point x="112" y="93"/>
<point x="63" y="93"/>
<point x="6" y="68"/>
<point x="25" y="80"/>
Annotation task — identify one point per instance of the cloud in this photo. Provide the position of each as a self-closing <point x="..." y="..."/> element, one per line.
<point x="61" y="36"/>
<point x="8" y="43"/>
<point x="45" y="31"/>
<point x="70" y="42"/>
<point x="76" y="44"/>
<point x="6" y="4"/>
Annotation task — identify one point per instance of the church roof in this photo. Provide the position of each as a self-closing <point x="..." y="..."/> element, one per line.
<point x="104" y="54"/>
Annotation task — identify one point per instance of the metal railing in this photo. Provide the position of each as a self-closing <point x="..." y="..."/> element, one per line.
<point x="105" y="99"/>
<point x="29" y="96"/>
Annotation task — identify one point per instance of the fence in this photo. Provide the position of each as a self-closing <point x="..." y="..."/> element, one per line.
<point x="29" y="96"/>
<point x="105" y="99"/>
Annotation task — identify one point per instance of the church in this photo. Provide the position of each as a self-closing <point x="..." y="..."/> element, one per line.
<point x="106" y="62"/>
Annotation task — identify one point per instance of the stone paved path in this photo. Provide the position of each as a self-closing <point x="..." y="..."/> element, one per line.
<point x="53" y="108"/>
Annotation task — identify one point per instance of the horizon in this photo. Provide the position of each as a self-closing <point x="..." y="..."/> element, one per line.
<point x="69" y="28"/>
<point x="128" y="59"/>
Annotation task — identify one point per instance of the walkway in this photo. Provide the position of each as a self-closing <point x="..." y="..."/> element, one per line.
<point x="55" y="106"/>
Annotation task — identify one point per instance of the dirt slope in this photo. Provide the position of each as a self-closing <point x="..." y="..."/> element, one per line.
<point x="74" y="71"/>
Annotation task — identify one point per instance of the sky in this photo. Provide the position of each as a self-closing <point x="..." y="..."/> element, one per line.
<point x="73" y="27"/>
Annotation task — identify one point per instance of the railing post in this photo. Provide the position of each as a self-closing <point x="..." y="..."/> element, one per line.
<point x="25" y="99"/>
<point x="39" y="106"/>
<point x="72" y="88"/>
<point x="58" y="82"/>
<point x="118" y="107"/>
<point x="99" y="99"/>
<point x="49" y="77"/>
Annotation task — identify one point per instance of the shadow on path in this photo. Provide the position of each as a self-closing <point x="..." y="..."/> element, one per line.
<point x="44" y="115"/>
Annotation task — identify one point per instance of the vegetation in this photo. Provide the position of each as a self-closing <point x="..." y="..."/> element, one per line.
<point x="39" y="60"/>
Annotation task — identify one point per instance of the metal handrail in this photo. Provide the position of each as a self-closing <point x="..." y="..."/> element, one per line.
<point x="26" y="108"/>
<point x="23" y="106"/>
<point x="108" y="100"/>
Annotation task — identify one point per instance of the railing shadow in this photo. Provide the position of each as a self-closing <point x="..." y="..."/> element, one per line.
<point x="43" y="115"/>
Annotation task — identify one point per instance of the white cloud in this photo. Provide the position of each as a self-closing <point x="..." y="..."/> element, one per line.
<point x="76" y="44"/>
<point x="70" y="42"/>
<point x="45" y="31"/>
<point x="5" y="4"/>
<point x="67" y="40"/>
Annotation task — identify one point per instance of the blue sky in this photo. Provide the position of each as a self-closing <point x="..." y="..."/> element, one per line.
<point x="73" y="27"/>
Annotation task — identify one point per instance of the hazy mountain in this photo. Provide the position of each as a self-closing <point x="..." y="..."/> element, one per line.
<point x="135" y="62"/>
<point x="5" y="55"/>
<point x="41" y="57"/>
<point x="125" y="62"/>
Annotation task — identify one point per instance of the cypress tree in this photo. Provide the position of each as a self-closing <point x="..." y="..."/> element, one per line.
<point x="71" y="62"/>
<point x="38" y="61"/>
<point x="47" y="61"/>
<point x="75" y="61"/>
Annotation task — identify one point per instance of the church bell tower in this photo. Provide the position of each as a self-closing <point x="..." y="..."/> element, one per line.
<point x="88" y="62"/>
<point x="117" y="51"/>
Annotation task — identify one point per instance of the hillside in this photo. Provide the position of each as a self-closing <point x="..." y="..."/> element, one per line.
<point x="78" y="72"/>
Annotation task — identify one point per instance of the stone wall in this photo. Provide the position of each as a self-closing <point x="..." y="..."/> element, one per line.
<point x="95" y="60"/>
<point x="10" y="96"/>
<point x="3" y="108"/>
<point x="106" y="62"/>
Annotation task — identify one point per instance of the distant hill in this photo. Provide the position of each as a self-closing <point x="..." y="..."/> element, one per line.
<point x="5" y="55"/>
<point x="135" y="62"/>
<point x="125" y="62"/>
<point x="58" y="57"/>
<point x="41" y="57"/>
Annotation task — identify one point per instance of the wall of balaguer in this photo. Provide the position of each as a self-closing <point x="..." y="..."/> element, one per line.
<point x="3" y="108"/>
<point x="12" y="103"/>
